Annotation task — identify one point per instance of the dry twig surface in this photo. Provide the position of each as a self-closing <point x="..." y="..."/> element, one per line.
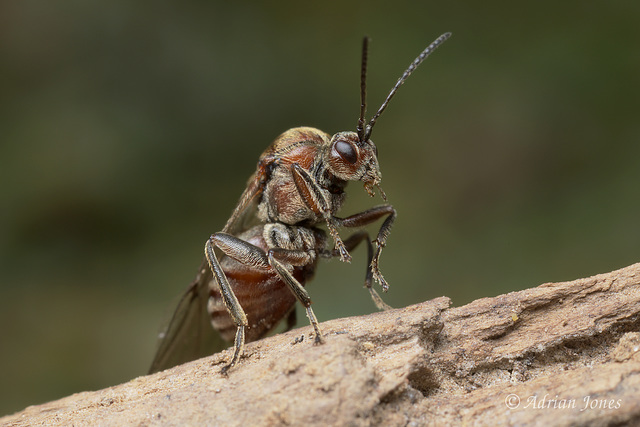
<point x="561" y="354"/>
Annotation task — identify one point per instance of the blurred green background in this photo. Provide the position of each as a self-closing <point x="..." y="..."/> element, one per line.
<point x="129" y="130"/>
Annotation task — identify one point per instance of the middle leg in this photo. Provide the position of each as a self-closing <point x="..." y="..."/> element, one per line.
<point x="365" y="218"/>
<point x="351" y="243"/>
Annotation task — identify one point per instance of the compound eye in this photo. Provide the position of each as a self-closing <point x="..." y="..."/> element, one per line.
<point x="346" y="151"/>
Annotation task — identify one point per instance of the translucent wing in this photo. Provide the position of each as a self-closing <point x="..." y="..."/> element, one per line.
<point x="243" y="214"/>
<point x="189" y="335"/>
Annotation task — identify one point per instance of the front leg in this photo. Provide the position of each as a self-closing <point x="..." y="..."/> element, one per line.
<point x="365" y="218"/>
<point x="315" y="200"/>
<point x="351" y="243"/>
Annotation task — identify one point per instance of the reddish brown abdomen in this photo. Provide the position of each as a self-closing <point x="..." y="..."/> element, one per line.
<point x="264" y="298"/>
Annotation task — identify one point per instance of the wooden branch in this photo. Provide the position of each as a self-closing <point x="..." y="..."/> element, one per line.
<point x="560" y="353"/>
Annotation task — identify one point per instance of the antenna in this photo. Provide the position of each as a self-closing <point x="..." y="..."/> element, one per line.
<point x="416" y="62"/>
<point x="363" y="89"/>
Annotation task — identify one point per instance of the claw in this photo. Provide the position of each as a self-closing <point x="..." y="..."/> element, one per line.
<point x="344" y="254"/>
<point x="378" y="278"/>
<point x="340" y="247"/>
<point x="375" y="269"/>
<point x="314" y="322"/>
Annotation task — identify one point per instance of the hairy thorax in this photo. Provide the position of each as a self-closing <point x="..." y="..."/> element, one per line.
<point x="285" y="202"/>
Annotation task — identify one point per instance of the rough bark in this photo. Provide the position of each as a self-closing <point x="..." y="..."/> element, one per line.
<point x="561" y="353"/>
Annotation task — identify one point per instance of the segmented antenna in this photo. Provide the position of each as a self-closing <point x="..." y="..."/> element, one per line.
<point x="363" y="89"/>
<point x="367" y="132"/>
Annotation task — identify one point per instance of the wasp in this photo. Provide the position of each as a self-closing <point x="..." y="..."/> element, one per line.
<point x="255" y="269"/>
